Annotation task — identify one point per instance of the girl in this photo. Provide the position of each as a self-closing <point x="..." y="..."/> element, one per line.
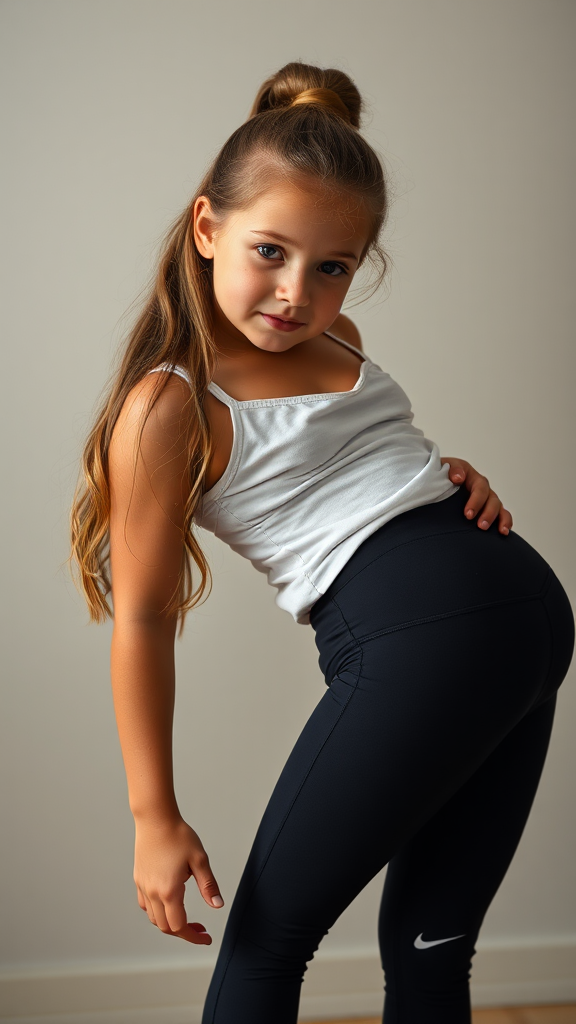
<point x="245" y="404"/>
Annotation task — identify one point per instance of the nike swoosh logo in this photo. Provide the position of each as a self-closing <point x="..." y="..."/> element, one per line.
<point x="421" y="944"/>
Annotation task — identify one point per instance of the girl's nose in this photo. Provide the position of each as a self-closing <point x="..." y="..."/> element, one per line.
<point x="293" y="288"/>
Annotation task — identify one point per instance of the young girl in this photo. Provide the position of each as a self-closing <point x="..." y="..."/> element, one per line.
<point x="245" y="404"/>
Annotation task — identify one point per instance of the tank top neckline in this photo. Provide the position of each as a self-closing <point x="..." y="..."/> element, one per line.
<point x="256" y="403"/>
<point x="236" y="403"/>
<point x="219" y="487"/>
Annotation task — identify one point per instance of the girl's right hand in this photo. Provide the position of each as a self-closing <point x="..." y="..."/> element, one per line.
<point x="166" y="855"/>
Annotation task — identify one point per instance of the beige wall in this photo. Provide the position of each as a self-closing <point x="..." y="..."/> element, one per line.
<point x="114" y="109"/>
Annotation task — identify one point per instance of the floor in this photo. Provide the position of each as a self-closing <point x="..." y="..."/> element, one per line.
<point x="511" y="1015"/>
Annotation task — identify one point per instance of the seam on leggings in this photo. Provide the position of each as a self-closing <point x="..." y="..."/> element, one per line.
<point x="355" y="640"/>
<point x="540" y="595"/>
<point x="403" y="543"/>
<point x="285" y="818"/>
<point x="551" y="631"/>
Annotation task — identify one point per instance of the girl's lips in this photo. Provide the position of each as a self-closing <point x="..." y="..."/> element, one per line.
<point x="281" y="325"/>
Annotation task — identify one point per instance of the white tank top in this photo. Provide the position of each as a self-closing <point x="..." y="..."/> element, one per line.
<point x="311" y="476"/>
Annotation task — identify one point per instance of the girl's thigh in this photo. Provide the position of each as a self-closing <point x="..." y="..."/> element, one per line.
<point x="406" y="721"/>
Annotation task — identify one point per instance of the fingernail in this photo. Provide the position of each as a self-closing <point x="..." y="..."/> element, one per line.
<point x="505" y="529"/>
<point x="484" y="523"/>
<point x="217" y="901"/>
<point x="470" y="513"/>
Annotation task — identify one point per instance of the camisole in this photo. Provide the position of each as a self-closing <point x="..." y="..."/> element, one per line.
<point x="310" y="477"/>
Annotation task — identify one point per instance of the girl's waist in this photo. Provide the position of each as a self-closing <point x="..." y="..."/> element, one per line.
<point x="424" y="563"/>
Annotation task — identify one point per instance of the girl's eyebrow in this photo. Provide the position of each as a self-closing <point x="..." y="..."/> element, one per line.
<point x="290" y="241"/>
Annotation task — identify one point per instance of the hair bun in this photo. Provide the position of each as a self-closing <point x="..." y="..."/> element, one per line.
<point x="298" y="83"/>
<point x="323" y="98"/>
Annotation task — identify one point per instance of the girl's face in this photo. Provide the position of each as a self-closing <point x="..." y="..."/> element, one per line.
<point x="282" y="267"/>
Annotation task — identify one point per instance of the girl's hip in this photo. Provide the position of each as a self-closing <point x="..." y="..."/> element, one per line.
<point x="425" y="564"/>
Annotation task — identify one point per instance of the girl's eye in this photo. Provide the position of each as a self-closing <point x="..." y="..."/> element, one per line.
<point x="267" y="251"/>
<point x="329" y="268"/>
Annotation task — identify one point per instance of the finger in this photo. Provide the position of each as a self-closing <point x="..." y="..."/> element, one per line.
<point x="491" y="509"/>
<point x="176" y="915"/>
<point x="149" y="909"/>
<point x="160" y="914"/>
<point x="192" y="932"/>
<point x="141" y="900"/>
<point x="504" y="521"/>
<point x="479" y="492"/>
<point x="199" y="934"/>
<point x="196" y="933"/>
<point x="207" y="884"/>
<point x="458" y="469"/>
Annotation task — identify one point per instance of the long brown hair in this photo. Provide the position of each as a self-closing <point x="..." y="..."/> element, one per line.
<point x="304" y="121"/>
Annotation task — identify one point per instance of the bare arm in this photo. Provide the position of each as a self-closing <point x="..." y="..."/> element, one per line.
<point x="148" y="493"/>
<point x="147" y="496"/>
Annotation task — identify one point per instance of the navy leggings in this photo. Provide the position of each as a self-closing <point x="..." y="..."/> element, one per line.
<point x="442" y="648"/>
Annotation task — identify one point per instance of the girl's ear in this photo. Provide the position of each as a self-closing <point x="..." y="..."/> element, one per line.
<point x="204" y="227"/>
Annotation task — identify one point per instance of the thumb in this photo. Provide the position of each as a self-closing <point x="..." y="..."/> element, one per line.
<point x="208" y="886"/>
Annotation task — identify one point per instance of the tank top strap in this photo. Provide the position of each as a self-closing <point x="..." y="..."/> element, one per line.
<point x="212" y="387"/>
<point x="352" y="348"/>
<point x="216" y="390"/>
<point x="173" y="369"/>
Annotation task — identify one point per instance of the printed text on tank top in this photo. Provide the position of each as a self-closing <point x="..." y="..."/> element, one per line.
<point x="343" y="379"/>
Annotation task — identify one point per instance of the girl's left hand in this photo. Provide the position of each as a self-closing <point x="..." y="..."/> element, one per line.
<point x="483" y="500"/>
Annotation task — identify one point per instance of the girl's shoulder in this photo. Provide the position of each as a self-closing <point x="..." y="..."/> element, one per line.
<point x="152" y="413"/>
<point x="345" y="328"/>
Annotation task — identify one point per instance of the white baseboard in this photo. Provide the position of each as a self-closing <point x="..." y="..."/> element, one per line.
<point x="334" y="986"/>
